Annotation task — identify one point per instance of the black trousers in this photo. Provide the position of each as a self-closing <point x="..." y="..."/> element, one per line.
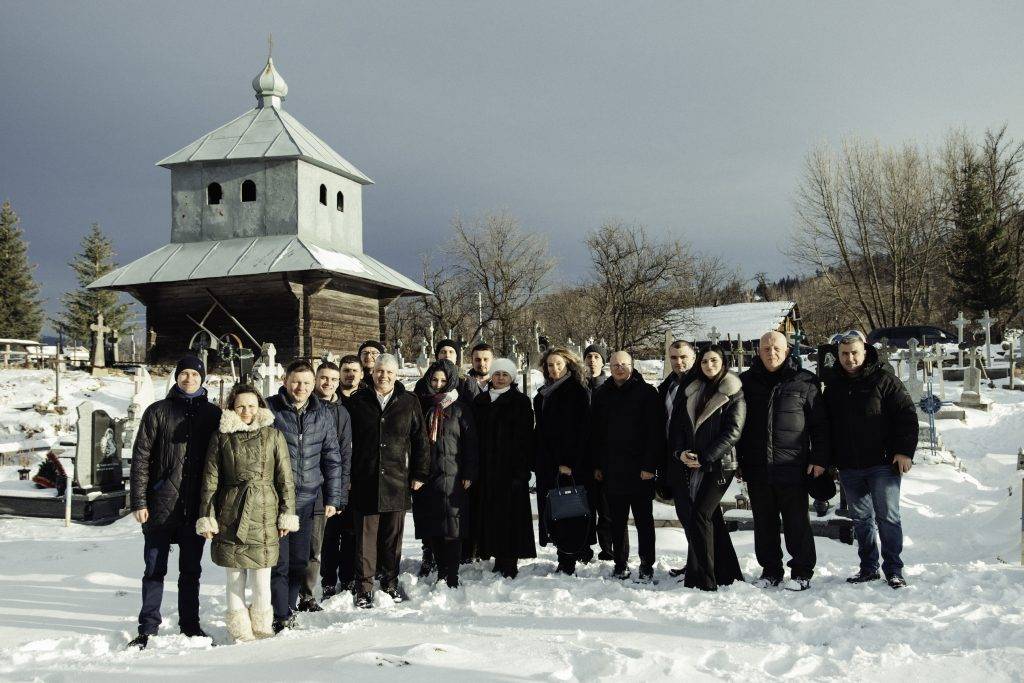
<point x="316" y="538"/>
<point x="641" y="502"/>
<point x="289" y="574"/>
<point x="156" y="548"/>
<point x="770" y="500"/>
<point x="601" y="518"/>
<point x="710" y="557"/>
<point x="378" y="533"/>
<point x="448" y="555"/>
<point x="338" y="553"/>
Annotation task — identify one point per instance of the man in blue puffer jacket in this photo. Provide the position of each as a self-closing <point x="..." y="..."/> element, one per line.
<point x="310" y="428"/>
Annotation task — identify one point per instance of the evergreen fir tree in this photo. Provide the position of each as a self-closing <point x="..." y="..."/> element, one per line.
<point x="980" y="260"/>
<point x="21" y="315"/>
<point x="82" y="305"/>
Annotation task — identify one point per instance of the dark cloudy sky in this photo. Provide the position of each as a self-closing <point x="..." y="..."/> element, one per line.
<point x="692" y="118"/>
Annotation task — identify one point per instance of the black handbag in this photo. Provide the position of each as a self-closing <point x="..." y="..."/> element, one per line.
<point x="567" y="502"/>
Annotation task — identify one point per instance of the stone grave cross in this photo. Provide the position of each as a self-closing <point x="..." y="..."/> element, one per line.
<point x="960" y="323"/>
<point x="99" y="359"/>
<point x="914" y="385"/>
<point x="714" y="335"/>
<point x="986" y="321"/>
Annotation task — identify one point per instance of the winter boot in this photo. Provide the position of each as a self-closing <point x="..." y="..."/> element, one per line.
<point x="363" y="600"/>
<point x="139" y="642"/>
<point x="621" y="572"/>
<point x="896" y="581"/>
<point x="239" y="625"/>
<point x="262" y="621"/>
<point x="309" y="604"/>
<point x="795" y="584"/>
<point x="646" y="575"/>
<point x="329" y="591"/>
<point x="197" y="632"/>
<point x="768" y="581"/>
<point x="396" y="592"/>
<point x="864" y="577"/>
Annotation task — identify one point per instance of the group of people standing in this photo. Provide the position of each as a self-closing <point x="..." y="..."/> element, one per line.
<point x="313" y="484"/>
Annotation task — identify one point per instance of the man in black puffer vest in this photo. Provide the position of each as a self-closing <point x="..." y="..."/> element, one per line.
<point x="167" y="467"/>
<point x="874" y="428"/>
<point x="627" y="443"/>
<point x="311" y="430"/>
<point x="785" y="439"/>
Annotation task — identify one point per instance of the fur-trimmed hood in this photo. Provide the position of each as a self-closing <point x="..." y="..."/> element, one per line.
<point x="231" y="423"/>
<point x="727" y="388"/>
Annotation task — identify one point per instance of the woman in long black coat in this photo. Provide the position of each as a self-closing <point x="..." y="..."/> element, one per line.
<point x="502" y="519"/>
<point x="441" y="507"/>
<point x="701" y="464"/>
<point x="561" y="408"/>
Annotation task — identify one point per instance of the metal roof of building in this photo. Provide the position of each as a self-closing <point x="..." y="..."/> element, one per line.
<point x="265" y="133"/>
<point x="746" y="321"/>
<point x="184" y="261"/>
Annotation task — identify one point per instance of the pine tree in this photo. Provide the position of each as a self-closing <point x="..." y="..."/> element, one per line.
<point x="82" y="305"/>
<point x="980" y="260"/>
<point x="21" y="314"/>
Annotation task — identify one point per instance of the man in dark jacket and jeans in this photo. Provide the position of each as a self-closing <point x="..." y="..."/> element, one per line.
<point x="328" y="378"/>
<point x="390" y="458"/>
<point x="627" y="443"/>
<point x="167" y="466"/>
<point x="785" y="439"/>
<point x="310" y="428"/>
<point x="874" y="436"/>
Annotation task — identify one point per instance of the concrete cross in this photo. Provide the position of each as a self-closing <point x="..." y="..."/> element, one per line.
<point x="98" y="356"/>
<point x="914" y="385"/>
<point x="512" y="343"/>
<point x="987" y="321"/>
<point x="713" y="335"/>
<point x="960" y="323"/>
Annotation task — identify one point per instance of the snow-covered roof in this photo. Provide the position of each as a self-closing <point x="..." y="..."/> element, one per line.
<point x="183" y="261"/>
<point x="749" y="321"/>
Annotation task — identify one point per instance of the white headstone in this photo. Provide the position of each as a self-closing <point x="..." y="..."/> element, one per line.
<point x="986" y="321"/>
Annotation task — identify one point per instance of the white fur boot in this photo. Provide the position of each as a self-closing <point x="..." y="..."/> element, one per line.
<point x="239" y="625"/>
<point x="262" y="621"/>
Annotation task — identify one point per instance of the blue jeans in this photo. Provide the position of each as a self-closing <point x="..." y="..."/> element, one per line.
<point x="190" y="566"/>
<point x="873" y="494"/>
<point x="289" y="574"/>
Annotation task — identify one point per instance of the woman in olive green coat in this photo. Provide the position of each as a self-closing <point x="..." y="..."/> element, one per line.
<point x="247" y="503"/>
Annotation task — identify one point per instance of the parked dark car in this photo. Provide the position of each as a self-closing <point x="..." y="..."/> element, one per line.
<point x="926" y="335"/>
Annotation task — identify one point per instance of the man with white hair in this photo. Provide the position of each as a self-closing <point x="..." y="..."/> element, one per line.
<point x="390" y="459"/>
<point x="785" y="439"/>
<point x="874" y="427"/>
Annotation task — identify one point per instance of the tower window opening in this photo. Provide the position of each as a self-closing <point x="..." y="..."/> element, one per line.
<point x="213" y="194"/>
<point x="248" y="191"/>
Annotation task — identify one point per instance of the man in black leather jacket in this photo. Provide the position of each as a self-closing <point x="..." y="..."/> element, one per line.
<point x="785" y="439"/>
<point x="167" y="465"/>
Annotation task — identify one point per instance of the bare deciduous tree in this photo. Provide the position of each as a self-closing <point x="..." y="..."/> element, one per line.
<point x="509" y="267"/>
<point x="637" y="281"/>
<point x="869" y="220"/>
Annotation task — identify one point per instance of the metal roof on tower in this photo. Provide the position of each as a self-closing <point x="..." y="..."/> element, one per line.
<point x="266" y="132"/>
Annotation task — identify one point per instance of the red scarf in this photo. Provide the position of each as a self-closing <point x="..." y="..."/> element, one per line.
<point x="436" y="420"/>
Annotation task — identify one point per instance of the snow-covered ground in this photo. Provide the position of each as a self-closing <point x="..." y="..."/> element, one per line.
<point x="69" y="597"/>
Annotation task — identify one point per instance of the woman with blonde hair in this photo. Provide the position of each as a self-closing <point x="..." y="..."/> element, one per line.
<point x="561" y="407"/>
<point x="247" y="503"/>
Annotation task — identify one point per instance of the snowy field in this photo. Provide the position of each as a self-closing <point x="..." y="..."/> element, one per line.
<point x="69" y="597"/>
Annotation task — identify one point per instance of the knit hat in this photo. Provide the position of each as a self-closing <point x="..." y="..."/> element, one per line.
<point x="372" y="344"/>
<point x="443" y="343"/>
<point x="190" y="363"/>
<point x="504" y="365"/>
<point x="598" y="349"/>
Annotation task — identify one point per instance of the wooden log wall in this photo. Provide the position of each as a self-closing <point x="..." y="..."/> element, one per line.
<point x="303" y="317"/>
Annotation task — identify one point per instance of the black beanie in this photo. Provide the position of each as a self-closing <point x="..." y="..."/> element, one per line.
<point x="443" y="343"/>
<point x="598" y="349"/>
<point x="370" y="344"/>
<point x="190" y="363"/>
